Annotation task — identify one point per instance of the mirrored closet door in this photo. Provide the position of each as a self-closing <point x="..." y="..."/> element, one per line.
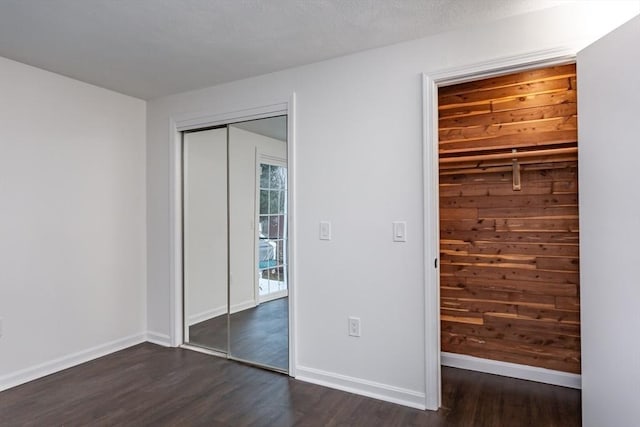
<point x="239" y="186"/>
<point x="205" y="236"/>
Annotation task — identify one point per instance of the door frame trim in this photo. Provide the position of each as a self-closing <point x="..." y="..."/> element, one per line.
<point x="203" y="119"/>
<point x="430" y="175"/>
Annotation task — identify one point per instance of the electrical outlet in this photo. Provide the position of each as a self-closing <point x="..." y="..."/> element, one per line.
<point x="354" y="326"/>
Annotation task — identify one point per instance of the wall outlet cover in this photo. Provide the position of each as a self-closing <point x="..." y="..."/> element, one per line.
<point x="354" y="326"/>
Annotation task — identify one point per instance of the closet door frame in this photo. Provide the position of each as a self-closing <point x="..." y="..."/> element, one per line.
<point x="431" y="201"/>
<point x="219" y="117"/>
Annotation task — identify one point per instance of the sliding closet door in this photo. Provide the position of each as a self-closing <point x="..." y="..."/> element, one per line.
<point x="259" y="304"/>
<point x="205" y="239"/>
<point x="236" y="285"/>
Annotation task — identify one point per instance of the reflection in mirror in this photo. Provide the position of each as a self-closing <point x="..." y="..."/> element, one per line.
<point x="205" y="238"/>
<point x="259" y="312"/>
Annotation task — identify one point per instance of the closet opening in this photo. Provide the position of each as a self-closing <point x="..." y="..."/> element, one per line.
<point x="508" y="220"/>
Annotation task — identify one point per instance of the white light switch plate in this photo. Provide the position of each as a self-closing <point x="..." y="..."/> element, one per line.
<point x="399" y="231"/>
<point x="325" y="230"/>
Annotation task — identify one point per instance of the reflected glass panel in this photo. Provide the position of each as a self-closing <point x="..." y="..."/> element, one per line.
<point x="264" y="176"/>
<point x="274" y="201"/>
<point x="259" y="325"/>
<point x="205" y="238"/>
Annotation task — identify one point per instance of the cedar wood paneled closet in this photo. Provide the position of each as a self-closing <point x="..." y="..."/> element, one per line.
<point x="509" y="279"/>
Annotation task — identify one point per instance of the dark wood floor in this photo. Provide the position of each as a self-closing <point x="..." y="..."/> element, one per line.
<point x="259" y="335"/>
<point x="148" y="385"/>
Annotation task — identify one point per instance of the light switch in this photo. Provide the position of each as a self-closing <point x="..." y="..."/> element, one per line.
<point x="325" y="230"/>
<point x="399" y="231"/>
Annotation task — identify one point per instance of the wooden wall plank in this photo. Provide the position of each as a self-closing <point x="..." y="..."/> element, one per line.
<point x="514" y="91"/>
<point x="511" y="116"/>
<point x="558" y="72"/>
<point x="498" y="349"/>
<point x="460" y="213"/>
<point x="536" y="224"/>
<point x="551" y="339"/>
<point x="568" y="303"/>
<point x="564" y="250"/>
<point x="541" y="201"/>
<point x="508" y="272"/>
<point x="467" y="110"/>
<point x="508" y="285"/>
<point x="525" y="323"/>
<point x="515" y="237"/>
<point x="537" y="100"/>
<point x="468" y="224"/>
<point x="531" y="211"/>
<point x="509" y="140"/>
<point x="483" y="189"/>
<point x="462" y="134"/>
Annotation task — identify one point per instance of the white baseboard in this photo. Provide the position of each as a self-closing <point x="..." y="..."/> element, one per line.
<point x="219" y="311"/>
<point x="241" y="306"/>
<point x="207" y="314"/>
<point x="413" y="399"/>
<point x="274" y="295"/>
<point x="34" y="372"/>
<point x="513" y="370"/>
<point x="159" y="339"/>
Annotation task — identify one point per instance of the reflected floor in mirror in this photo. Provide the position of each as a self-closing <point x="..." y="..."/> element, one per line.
<point x="211" y="334"/>
<point x="259" y="334"/>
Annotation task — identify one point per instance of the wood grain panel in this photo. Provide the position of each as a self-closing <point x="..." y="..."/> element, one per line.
<point x="530" y="76"/>
<point x="529" y="337"/>
<point x="537" y="237"/>
<point x="464" y="134"/>
<point x="538" y="100"/>
<point x="506" y="272"/>
<point x="509" y="261"/>
<point x="517" y="296"/>
<point x="508" y="141"/>
<point x="511" y="116"/>
<point x="537" y="224"/>
<point x="568" y="251"/>
<point x="505" y="92"/>
<point x="538" y="201"/>
<point x="481" y="284"/>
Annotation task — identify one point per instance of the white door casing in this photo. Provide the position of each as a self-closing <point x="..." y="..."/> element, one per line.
<point x="430" y="83"/>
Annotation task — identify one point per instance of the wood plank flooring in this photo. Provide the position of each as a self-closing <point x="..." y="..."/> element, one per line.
<point x="148" y="385"/>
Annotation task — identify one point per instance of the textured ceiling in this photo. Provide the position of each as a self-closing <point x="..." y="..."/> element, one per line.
<point x="151" y="48"/>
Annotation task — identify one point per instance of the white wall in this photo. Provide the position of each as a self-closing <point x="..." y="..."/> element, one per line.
<point x="242" y="199"/>
<point x="610" y="228"/>
<point x="72" y="223"/>
<point x="205" y="224"/>
<point x="358" y="164"/>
